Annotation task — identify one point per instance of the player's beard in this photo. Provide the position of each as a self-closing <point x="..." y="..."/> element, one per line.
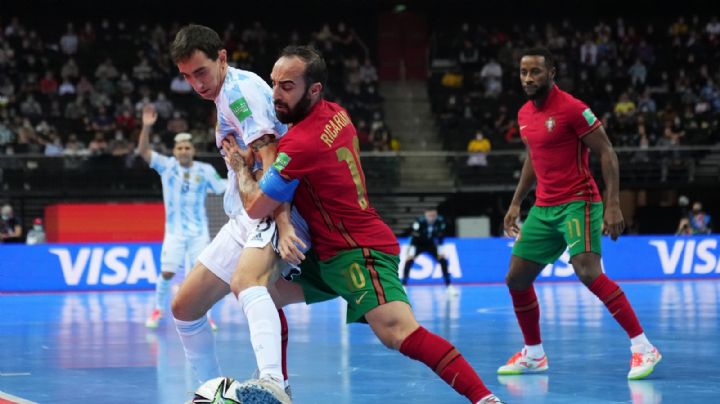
<point x="296" y="114"/>
<point x="541" y="92"/>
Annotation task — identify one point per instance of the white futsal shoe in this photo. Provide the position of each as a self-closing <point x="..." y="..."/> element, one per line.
<point x="263" y="391"/>
<point x="286" y="383"/>
<point x="521" y="363"/>
<point x="643" y="363"/>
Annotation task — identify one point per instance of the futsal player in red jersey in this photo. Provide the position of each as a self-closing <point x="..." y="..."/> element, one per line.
<point x="559" y="131"/>
<point x="356" y="254"/>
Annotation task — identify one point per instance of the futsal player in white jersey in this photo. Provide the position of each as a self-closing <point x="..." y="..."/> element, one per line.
<point x="185" y="184"/>
<point x="243" y="257"/>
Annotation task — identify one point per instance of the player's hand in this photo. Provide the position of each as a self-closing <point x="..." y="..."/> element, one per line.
<point x="291" y="246"/>
<point x="510" y="222"/>
<point x="236" y="157"/>
<point x="613" y="222"/>
<point x="149" y="116"/>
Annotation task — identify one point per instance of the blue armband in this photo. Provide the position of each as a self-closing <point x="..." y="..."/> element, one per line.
<point x="277" y="187"/>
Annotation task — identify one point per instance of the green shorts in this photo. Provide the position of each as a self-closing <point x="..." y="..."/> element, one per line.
<point x="548" y="230"/>
<point x="365" y="278"/>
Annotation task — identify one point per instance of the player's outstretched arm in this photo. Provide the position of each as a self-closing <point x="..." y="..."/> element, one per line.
<point x="598" y="142"/>
<point x="216" y="182"/>
<point x="148" y="120"/>
<point x="525" y="184"/>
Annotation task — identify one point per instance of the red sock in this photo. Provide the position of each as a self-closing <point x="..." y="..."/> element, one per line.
<point x="284" y="338"/>
<point x="440" y="356"/>
<point x="527" y="311"/>
<point x="617" y="303"/>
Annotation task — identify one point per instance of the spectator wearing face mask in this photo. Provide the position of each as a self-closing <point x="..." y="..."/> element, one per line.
<point x="478" y="147"/>
<point x="36" y="235"/>
<point x="10" y="227"/>
<point x="696" y="222"/>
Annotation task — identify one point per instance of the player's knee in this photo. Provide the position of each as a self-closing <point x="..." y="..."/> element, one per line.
<point x="587" y="268"/>
<point x="399" y="334"/>
<point x="392" y="330"/>
<point x="392" y="343"/>
<point x="237" y="285"/>
<point x="587" y="274"/>
<point x="392" y="338"/>
<point x="243" y="279"/>
<point x="515" y="282"/>
<point x="181" y="310"/>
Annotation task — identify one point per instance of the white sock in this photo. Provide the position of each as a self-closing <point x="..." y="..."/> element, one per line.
<point x="199" y="344"/>
<point x="640" y="343"/>
<point x="264" y="324"/>
<point x="161" y="293"/>
<point x="535" y="351"/>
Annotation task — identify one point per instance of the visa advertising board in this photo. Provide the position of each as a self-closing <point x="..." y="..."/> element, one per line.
<point x="135" y="266"/>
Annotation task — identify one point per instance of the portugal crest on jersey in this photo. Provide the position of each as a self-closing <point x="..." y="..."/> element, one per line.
<point x="550" y="124"/>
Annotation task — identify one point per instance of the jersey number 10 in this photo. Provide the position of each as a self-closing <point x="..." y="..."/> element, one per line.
<point x="353" y="162"/>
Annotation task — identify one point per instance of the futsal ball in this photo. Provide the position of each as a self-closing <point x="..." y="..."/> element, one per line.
<point x="220" y="390"/>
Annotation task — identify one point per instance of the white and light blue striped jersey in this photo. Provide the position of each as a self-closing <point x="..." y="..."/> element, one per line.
<point x="184" y="192"/>
<point x="245" y="110"/>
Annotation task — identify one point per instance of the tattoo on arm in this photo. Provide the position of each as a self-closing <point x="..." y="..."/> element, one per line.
<point x="262" y="142"/>
<point x="247" y="185"/>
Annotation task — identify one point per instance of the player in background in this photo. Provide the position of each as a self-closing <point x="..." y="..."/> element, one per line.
<point x="559" y="131"/>
<point x="185" y="185"/>
<point x="356" y="253"/>
<point x="242" y="258"/>
<point x="428" y="234"/>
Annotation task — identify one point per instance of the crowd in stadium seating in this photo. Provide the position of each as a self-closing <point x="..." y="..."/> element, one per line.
<point x="653" y="83"/>
<point x="80" y="92"/>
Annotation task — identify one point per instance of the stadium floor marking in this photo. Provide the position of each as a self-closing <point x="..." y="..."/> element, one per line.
<point x="6" y="398"/>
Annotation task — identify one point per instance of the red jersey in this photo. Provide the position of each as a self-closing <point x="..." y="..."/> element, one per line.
<point x="553" y="135"/>
<point x="322" y="151"/>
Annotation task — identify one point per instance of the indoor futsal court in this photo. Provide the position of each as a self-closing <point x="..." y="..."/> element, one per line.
<point x="58" y="348"/>
<point x="469" y="147"/>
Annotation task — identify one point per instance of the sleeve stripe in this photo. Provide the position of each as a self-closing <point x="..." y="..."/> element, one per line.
<point x="596" y="125"/>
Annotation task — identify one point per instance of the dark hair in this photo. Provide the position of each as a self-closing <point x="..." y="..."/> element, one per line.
<point x="195" y="37"/>
<point x="315" y="67"/>
<point x="541" y="51"/>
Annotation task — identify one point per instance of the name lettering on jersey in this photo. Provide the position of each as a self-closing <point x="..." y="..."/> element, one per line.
<point x="240" y="109"/>
<point x="333" y="127"/>
<point x="550" y="124"/>
<point x="589" y="116"/>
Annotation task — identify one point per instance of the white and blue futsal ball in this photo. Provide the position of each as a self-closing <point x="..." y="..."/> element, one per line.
<point x="221" y="390"/>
